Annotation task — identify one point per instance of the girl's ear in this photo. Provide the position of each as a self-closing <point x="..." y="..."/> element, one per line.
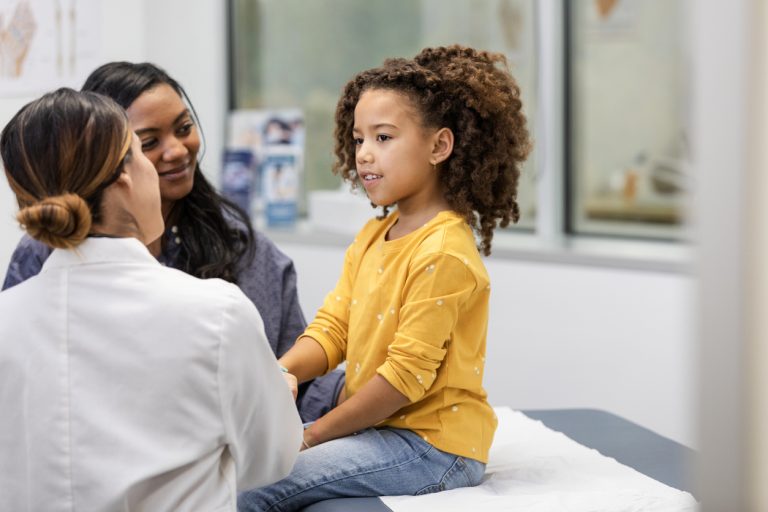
<point x="442" y="146"/>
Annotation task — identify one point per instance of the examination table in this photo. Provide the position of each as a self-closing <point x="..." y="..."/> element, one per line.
<point x="630" y="444"/>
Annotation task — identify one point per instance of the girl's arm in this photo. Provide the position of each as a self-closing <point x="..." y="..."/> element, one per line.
<point x="322" y="347"/>
<point x="306" y="359"/>
<point x="433" y="299"/>
<point x="375" y="401"/>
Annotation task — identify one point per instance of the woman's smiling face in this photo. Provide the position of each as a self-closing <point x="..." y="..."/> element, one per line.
<point x="169" y="138"/>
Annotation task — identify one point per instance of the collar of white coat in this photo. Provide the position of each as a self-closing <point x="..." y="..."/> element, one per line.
<point x="100" y="250"/>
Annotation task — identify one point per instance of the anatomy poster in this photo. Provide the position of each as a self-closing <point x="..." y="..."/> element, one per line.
<point x="45" y="44"/>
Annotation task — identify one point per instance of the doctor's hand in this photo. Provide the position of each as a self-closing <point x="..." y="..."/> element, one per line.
<point x="293" y="384"/>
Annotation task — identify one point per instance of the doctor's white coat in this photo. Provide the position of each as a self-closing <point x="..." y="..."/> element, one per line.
<point x="125" y="385"/>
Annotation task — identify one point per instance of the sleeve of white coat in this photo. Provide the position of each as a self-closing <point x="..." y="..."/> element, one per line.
<point x="262" y="424"/>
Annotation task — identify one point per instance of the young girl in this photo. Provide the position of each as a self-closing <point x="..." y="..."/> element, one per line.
<point x="442" y="137"/>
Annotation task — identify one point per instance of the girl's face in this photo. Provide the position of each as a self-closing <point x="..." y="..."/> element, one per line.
<point x="393" y="152"/>
<point x="169" y="138"/>
<point x="145" y="193"/>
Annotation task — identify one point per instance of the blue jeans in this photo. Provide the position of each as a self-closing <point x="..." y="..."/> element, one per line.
<point x="372" y="462"/>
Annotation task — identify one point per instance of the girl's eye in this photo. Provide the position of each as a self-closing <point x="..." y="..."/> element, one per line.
<point x="358" y="141"/>
<point x="383" y="138"/>
<point x="148" y="144"/>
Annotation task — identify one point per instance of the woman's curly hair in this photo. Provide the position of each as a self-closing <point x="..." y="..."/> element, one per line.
<point x="472" y="93"/>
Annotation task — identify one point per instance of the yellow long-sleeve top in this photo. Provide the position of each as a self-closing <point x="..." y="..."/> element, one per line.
<point x="415" y="310"/>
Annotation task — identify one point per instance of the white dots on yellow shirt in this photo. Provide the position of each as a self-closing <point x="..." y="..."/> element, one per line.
<point x="430" y="269"/>
<point x="392" y="311"/>
<point x="455" y="408"/>
<point x="357" y="367"/>
<point x="380" y="317"/>
<point x="439" y="302"/>
<point x="477" y="370"/>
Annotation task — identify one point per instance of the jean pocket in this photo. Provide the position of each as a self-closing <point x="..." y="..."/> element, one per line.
<point x="430" y="489"/>
<point x="462" y="473"/>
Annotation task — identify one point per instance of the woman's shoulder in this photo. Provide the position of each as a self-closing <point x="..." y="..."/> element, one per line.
<point x="28" y="246"/>
<point x="266" y="251"/>
<point x="26" y="261"/>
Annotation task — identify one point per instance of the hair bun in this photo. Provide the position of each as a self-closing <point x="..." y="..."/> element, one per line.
<point x="61" y="222"/>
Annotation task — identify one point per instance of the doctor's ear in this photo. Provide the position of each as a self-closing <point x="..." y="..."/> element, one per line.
<point x="124" y="179"/>
<point x="442" y="145"/>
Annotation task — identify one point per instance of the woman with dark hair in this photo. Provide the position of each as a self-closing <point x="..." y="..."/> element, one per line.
<point x="206" y="235"/>
<point x="108" y="405"/>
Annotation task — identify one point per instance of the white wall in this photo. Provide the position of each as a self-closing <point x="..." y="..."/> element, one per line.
<point x="563" y="336"/>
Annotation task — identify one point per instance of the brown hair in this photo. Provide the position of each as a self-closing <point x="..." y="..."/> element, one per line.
<point x="59" y="153"/>
<point x="472" y="93"/>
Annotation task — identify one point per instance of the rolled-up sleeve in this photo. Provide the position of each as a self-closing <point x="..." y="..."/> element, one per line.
<point x="330" y="327"/>
<point x="436" y="290"/>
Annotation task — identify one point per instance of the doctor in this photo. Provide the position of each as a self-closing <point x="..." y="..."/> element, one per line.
<point x="124" y="385"/>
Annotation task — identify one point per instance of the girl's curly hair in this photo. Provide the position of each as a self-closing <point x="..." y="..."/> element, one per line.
<point x="472" y="93"/>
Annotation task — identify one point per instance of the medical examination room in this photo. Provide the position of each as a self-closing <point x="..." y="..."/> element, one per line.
<point x="357" y="256"/>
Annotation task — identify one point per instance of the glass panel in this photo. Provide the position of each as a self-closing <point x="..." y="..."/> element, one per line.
<point x="298" y="53"/>
<point x="628" y="140"/>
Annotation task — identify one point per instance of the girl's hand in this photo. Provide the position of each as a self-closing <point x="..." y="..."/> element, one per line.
<point x="304" y="444"/>
<point x="374" y="402"/>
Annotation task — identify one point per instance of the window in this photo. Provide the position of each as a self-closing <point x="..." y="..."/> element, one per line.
<point x="295" y="53"/>
<point x="626" y="169"/>
<point x="627" y="96"/>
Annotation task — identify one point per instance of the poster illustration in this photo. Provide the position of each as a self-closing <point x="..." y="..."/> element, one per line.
<point x="46" y="44"/>
<point x="274" y="138"/>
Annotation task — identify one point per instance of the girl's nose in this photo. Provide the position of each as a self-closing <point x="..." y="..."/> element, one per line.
<point x="364" y="154"/>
